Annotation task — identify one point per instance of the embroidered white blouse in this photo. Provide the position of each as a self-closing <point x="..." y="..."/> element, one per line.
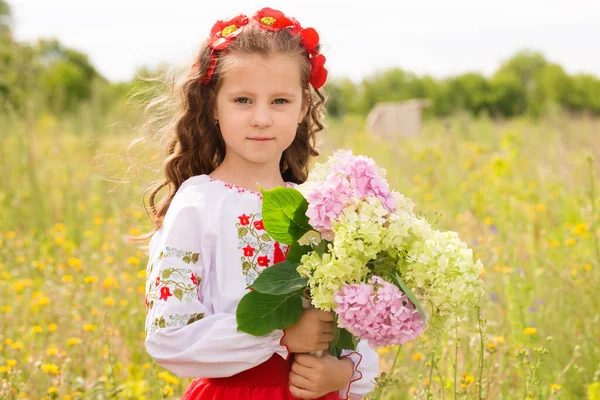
<point x="211" y="246"/>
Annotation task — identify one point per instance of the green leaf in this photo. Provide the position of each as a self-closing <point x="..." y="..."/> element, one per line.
<point x="246" y="266"/>
<point x="178" y="293"/>
<point x="242" y="232"/>
<point x="346" y="340"/>
<point x="186" y="259"/>
<point x="167" y="273"/>
<point x="284" y="214"/>
<point x="281" y="278"/>
<point x="296" y="252"/>
<point x="260" y="314"/>
<point x="411" y="296"/>
<point x="195" y="257"/>
<point x="265" y="237"/>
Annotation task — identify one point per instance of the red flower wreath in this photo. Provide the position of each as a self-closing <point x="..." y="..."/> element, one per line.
<point x="275" y="20"/>
<point x="221" y="34"/>
<point x="224" y="32"/>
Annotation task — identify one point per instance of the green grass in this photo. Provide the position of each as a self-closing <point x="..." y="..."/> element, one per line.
<point x="519" y="192"/>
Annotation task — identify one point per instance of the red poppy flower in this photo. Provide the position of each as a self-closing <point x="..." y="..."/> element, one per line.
<point x="248" y="251"/>
<point x="223" y="32"/>
<point x="157" y="280"/>
<point x="147" y="304"/>
<point x="165" y="293"/>
<point x="244" y="219"/>
<point x="274" y="20"/>
<point x="259" y="225"/>
<point x="318" y="74"/>
<point x="194" y="280"/>
<point x="263" y="261"/>
<point x="310" y="40"/>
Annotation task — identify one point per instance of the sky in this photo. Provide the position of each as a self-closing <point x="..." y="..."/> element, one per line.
<point x="359" y="38"/>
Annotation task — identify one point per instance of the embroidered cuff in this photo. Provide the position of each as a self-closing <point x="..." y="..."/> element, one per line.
<point x="357" y="375"/>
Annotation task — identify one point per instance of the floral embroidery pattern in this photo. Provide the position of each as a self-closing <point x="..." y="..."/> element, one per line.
<point x="177" y="282"/>
<point x="174" y="320"/>
<point x="259" y="250"/>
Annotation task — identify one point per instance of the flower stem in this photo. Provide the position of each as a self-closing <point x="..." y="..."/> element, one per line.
<point x="593" y="201"/>
<point x="455" y="363"/>
<point x="480" y="350"/>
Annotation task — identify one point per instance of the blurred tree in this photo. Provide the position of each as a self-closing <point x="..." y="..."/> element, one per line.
<point x="470" y="91"/>
<point x="5" y="20"/>
<point x="508" y="96"/>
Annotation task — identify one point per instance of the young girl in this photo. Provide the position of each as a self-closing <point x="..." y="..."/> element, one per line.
<point x="249" y="111"/>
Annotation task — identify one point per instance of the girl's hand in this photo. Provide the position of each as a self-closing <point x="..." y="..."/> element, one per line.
<point x="312" y="377"/>
<point x="312" y="333"/>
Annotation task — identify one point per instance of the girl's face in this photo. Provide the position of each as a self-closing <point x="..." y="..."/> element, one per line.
<point x="259" y="106"/>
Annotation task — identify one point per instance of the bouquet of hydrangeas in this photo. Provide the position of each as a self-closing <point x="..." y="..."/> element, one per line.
<point x="358" y="249"/>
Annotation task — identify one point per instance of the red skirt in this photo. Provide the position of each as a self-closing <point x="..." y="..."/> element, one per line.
<point x="267" y="381"/>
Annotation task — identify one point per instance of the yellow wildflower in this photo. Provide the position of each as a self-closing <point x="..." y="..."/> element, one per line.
<point x="530" y="331"/>
<point x="50" y="369"/>
<point x="73" y="341"/>
<point x="168" y="378"/>
<point x="417" y="356"/>
<point x="109" y="301"/>
<point x="133" y="261"/>
<point x="74" y="262"/>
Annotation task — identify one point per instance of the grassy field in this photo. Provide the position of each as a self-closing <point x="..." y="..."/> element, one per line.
<point x="521" y="193"/>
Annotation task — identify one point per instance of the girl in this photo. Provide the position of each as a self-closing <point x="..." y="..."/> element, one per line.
<point x="249" y="112"/>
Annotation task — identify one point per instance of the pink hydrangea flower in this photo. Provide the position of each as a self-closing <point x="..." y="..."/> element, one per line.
<point x="349" y="179"/>
<point x="378" y="312"/>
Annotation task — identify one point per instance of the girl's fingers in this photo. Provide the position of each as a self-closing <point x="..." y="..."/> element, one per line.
<point x="302" y="370"/>
<point x="301" y="382"/>
<point x="302" y="393"/>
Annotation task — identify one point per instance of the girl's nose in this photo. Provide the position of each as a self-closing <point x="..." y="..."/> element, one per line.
<point x="261" y="117"/>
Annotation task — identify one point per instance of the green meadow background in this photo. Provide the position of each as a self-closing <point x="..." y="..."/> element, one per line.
<point x="510" y="161"/>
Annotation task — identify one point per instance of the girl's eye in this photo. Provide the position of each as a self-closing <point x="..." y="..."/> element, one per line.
<point x="242" y="100"/>
<point x="281" y="101"/>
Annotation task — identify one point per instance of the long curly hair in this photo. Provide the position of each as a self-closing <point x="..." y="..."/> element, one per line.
<point x="193" y="144"/>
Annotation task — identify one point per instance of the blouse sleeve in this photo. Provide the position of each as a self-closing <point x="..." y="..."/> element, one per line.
<point x="366" y="368"/>
<point x="183" y="334"/>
